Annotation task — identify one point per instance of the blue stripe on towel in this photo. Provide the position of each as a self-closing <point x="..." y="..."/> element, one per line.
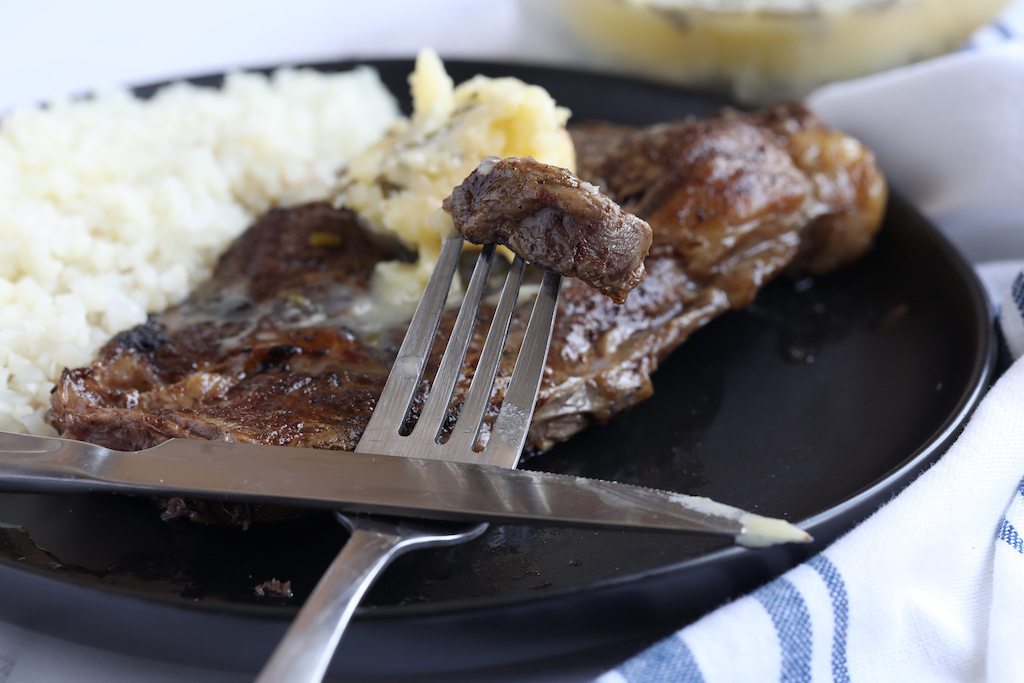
<point x="1009" y="534"/>
<point x="840" y="611"/>
<point x="792" y="621"/>
<point x="1004" y="30"/>
<point x="1017" y="292"/>
<point x="669" y="661"/>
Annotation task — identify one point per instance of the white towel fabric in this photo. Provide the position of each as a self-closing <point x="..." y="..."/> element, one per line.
<point x="931" y="587"/>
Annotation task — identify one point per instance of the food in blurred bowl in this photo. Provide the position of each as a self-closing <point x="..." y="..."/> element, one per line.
<point x="766" y="50"/>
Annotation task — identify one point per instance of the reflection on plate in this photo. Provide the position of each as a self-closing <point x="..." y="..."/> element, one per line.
<point x="814" y="404"/>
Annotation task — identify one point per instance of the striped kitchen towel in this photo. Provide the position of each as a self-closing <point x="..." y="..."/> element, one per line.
<point x="930" y="587"/>
<point x="1006" y="621"/>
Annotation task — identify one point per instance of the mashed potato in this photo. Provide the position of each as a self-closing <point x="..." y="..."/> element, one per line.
<point x="114" y="207"/>
<point x="396" y="184"/>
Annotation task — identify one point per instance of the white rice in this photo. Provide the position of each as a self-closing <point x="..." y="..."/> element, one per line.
<point x="112" y="208"/>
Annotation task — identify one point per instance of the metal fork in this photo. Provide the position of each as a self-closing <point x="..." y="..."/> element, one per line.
<point x="306" y="650"/>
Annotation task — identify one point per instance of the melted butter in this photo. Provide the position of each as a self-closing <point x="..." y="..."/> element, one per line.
<point x="760" y="532"/>
<point x="442" y="222"/>
<point x="407" y="367"/>
<point x="756" y="531"/>
<point x="487" y="164"/>
<point x="397" y="184"/>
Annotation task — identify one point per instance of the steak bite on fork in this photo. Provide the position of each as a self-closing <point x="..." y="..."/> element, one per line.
<point x="554" y="220"/>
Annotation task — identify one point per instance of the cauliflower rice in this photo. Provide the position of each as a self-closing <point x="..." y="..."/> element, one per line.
<point x="111" y="208"/>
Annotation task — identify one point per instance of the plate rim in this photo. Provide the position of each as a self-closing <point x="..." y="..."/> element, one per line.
<point x="982" y="374"/>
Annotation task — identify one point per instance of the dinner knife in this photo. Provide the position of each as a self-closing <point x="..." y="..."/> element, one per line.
<point x="362" y="482"/>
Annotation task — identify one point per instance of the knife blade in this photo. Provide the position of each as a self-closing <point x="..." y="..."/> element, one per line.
<point x="366" y="482"/>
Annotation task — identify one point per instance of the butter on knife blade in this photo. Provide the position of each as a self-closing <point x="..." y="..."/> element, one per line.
<point x="758" y="531"/>
<point x="362" y="482"/>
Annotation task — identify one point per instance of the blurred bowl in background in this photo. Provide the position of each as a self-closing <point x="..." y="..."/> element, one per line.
<point x="760" y="51"/>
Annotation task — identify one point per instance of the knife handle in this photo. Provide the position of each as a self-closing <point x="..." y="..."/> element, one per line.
<point x="32" y="464"/>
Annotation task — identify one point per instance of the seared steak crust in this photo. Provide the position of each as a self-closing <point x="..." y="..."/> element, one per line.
<point x="268" y="350"/>
<point x="716" y="191"/>
<point x="259" y="353"/>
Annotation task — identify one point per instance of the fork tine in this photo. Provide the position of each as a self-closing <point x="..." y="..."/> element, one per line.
<point x="441" y="389"/>
<point x="403" y="380"/>
<point x="467" y="427"/>
<point x="508" y="435"/>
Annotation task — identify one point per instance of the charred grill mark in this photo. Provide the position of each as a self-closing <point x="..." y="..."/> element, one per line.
<point x="145" y="337"/>
<point x="277" y="357"/>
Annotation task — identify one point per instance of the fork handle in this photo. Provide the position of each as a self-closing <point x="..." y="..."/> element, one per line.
<point x="310" y="642"/>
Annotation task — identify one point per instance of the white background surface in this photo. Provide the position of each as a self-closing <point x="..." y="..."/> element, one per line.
<point x="54" y="47"/>
<point x="50" y="48"/>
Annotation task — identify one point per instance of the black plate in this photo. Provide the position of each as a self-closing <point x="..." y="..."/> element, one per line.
<point x="815" y="404"/>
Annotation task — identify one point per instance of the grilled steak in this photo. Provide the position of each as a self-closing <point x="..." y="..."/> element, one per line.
<point x="718" y="190"/>
<point x="270" y="349"/>
<point x="552" y="219"/>
<point x="732" y="202"/>
<point x="261" y="352"/>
